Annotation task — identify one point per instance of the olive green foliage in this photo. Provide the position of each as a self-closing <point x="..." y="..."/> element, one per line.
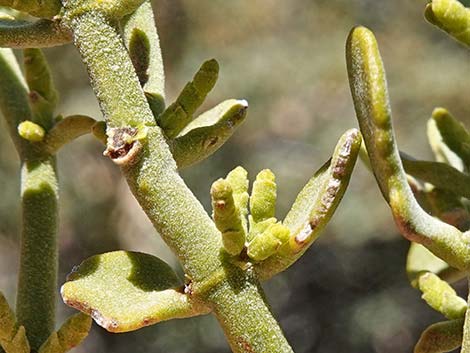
<point x="144" y="285"/>
<point x="224" y="258"/>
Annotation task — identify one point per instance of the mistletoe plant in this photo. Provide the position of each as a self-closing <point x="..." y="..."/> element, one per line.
<point x="223" y="258"/>
<point x="428" y="200"/>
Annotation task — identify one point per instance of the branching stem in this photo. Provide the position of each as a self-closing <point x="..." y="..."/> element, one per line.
<point x="37" y="284"/>
<point x="177" y="215"/>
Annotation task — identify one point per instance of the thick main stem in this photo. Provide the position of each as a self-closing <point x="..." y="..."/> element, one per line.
<point x="234" y="294"/>
<point x="245" y="316"/>
<point x="37" y="283"/>
<point x="152" y="176"/>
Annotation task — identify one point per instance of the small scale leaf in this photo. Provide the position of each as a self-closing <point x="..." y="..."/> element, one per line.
<point x="263" y="196"/>
<point x="257" y="228"/>
<point x="7" y="319"/>
<point x="180" y="113"/>
<point x="268" y="242"/>
<point x="441" y="337"/>
<point x="19" y="343"/>
<point x="31" y="131"/>
<point x="227" y="217"/>
<point x="124" y="291"/>
<point x="70" y="335"/>
<point x="238" y="179"/>
<point x="441" y="297"/>
<point x="208" y="132"/>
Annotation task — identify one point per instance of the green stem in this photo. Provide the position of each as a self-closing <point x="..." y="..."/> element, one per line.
<point x="245" y="316"/>
<point x="37" y="283"/>
<point x="466" y="327"/>
<point x="37" y="286"/>
<point x="177" y="215"/>
<point x="39" y="34"/>
<point x="153" y="177"/>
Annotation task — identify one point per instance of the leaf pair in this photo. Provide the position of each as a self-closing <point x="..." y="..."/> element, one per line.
<point x="13" y="337"/>
<point x="48" y="133"/>
<point x="191" y="139"/>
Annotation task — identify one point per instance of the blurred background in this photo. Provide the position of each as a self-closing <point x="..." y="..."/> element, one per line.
<point x="349" y="293"/>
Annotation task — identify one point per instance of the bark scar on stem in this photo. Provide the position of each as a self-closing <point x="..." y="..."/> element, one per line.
<point x="122" y="147"/>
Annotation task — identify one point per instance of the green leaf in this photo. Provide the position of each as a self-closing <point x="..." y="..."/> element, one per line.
<point x="141" y="39"/>
<point x="263" y="196"/>
<point x="124" y="291"/>
<point x="268" y="242"/>
<point x="70" y="335"/>
<point x="453" y="133"/>
<point x="441" y="337"/>
<point x="37" y="8"/>
<point x="452" y="17"/>
<point x="180" y="113"/>
<point x="440" y="175"/>
<point x="238" y="179"/>
<point x="421" y="260"/>
<point x="18" y="344"/>
<point x="315" y="204"/>
<point x="441" y="296"/>
<point x="113" y="10"/>
<point x="227" y="217"/>
<point x="99" y="131"/>
<point x="43" y="95"/>
<point x="442" y="152"/>
<point x="208" y="132"/>
<point x="371" y="102"/>
<point x="7" y="319"/>
<point x="67" y="130"/>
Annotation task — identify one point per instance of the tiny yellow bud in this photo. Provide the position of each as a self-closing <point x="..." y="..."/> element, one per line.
<point x="31" y="131"/>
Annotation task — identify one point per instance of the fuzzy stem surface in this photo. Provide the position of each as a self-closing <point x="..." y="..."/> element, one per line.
<point x="245" y="316"/>
<point x="37" y="286"/>
<point x="37" y="282"/>
<point x="151" y="172"/>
